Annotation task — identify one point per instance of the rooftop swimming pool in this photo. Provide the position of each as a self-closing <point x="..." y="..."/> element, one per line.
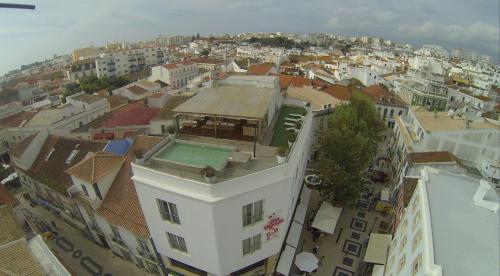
<point x="196" y="155"/>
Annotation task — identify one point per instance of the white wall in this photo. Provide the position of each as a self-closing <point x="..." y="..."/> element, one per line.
<point x="211" y="214"/>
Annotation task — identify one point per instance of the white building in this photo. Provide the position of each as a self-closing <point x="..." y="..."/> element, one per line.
<point x="238" y="219"/>
<point x="450" y="227"/>
<point x="176" y="74"/>
<point x="129" y="60"/>
<point x="421" y="131"/>
<point x="81" y="68"/>
<point x="138" y="90"/>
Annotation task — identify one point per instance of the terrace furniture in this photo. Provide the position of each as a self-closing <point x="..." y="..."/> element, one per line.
<point x="290" y="124"/>
<point x="295" y="115"/>
<point x="292" y="119"/>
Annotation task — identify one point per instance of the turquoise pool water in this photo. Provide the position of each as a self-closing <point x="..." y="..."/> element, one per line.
<point x="196" y="155"/>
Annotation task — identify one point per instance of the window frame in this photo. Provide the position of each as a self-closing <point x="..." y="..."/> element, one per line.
<point x="171" y="213"/>
<point x="249" y="213"/>
<point x="251" y="244"/>
<point x="177" y="242"/>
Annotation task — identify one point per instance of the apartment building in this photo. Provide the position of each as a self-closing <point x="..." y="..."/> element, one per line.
<point x="425" y="93"/>
<point x="470" y="138"/>
<point x="81" y="68"/>
<point x="176" y="74"/>
<point x="388" y="105"/>
<point x="450" y="227"/>
<point x="222" y="175"/>
<point x="123" y="61"/>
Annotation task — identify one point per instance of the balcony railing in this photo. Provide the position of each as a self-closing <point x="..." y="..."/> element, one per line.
<point x="120" y="243"/>
<point x="146" y="256"/>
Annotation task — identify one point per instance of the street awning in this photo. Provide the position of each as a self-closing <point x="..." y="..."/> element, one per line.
<point x="327" y="217"/>
<point x="286" y="260"/>
<point x="377" y="249"/>
<point x="300" y="213"/>
<point x="294" y="234"/>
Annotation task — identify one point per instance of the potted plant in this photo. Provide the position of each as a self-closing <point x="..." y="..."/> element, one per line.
<point x="209" y="174"/>
<point x="171" y="130"/>
<point x="292" y="136"/>
<point x="281" y="154"/>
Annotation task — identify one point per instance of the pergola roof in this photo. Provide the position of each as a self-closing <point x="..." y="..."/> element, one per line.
<point x="229" y="101"/>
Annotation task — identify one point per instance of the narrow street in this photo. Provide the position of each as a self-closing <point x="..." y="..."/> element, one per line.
<point x="80" y="255"/>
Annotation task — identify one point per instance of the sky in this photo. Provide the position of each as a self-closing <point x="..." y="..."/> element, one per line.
<point x="59" y="26"/>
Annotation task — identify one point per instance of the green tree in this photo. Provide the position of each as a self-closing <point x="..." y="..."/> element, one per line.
<point x="205" y="52"/>
<point x="348" y="147"/>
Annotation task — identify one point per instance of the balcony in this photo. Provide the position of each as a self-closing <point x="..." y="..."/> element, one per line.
<point x="149" y="257"/>
<point x="121" y="244"/>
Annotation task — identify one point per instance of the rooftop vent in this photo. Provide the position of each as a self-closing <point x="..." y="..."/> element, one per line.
<point x="479" y="200"/>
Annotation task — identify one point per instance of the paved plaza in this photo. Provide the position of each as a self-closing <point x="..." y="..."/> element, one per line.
<point x="341" y="253"/>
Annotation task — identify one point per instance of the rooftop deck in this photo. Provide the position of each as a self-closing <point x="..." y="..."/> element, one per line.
<point x="239" y="161"/>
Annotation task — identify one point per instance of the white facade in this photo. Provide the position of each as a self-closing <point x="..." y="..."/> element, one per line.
<point x="175" y="74"/>
<point x="210" y="215"/>
<point x="446" y="230"/>
<point x="417" y="133"/>
<point x="129" y="60"/>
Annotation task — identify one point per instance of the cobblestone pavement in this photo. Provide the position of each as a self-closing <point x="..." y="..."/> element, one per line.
<point x="341" y="253"/>
<point x="80" y="255"/>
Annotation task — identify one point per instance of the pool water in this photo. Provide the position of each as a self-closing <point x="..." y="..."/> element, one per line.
<point x="196" y="155"/>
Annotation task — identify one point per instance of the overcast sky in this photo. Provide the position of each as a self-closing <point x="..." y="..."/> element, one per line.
<point x="58" y="26"/>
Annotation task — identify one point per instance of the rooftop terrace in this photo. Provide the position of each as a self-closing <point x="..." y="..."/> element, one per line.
<point x="189" y="154"/>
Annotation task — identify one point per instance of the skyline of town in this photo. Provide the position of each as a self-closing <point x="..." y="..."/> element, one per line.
<point x="57" y="28"/>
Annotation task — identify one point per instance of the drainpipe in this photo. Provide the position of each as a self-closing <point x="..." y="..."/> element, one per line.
<point x="164" y="270"/>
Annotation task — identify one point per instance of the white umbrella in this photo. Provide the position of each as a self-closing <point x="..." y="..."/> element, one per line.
<point x="11" y="177"/>
<point x="306" y="261"/>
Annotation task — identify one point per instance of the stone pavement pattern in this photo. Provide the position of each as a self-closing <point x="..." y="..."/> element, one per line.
<point x="344" y="250"/>
<point x="82" y="256"/>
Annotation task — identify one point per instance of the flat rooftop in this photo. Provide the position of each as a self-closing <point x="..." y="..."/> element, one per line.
<point x="317" y="98"/>
<point x="466" y="236"/>
<point x="442" y="121"/>
<point x="236" y="101"/>
<point x="191" y="153"/>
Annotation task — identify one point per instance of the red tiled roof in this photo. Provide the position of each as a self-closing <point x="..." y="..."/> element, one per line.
<point x="121" y="205"/>
<point x="95" y="167"/>
<point x="176" y="64"/>
<point x="50" y="164"/>
<point x="339" y="91"/>
<point x="117" y="101"/>
<point x="382" y="96"/>
<point x="156" y="95"/>
<point x="137" y="90"/>
<point x="6" y="197"/>
<point x="430" y="157"/>
<point x="16" y="119"/>
<point x="20" y="147"/>
<point x="260" y="69"/>
<point x="134" y="114"/>
<point x="286" y="80"/>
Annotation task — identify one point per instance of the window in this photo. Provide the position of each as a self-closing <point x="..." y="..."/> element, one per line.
<point x="116" y="233"/>
<point x="143" y="245"/>
<point x="48" y="155"/>
<point x="177" y="242"/>
<point x="85" y="190"/>
<point x="252" y="212"/>
<point x="417" y="263"/>
<point x="251" y="244"/>
<point x="402" y="263"/>
<point x="416" y="240"/>
<point x="168" y="211"/>
<point x="71" y="156"/>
